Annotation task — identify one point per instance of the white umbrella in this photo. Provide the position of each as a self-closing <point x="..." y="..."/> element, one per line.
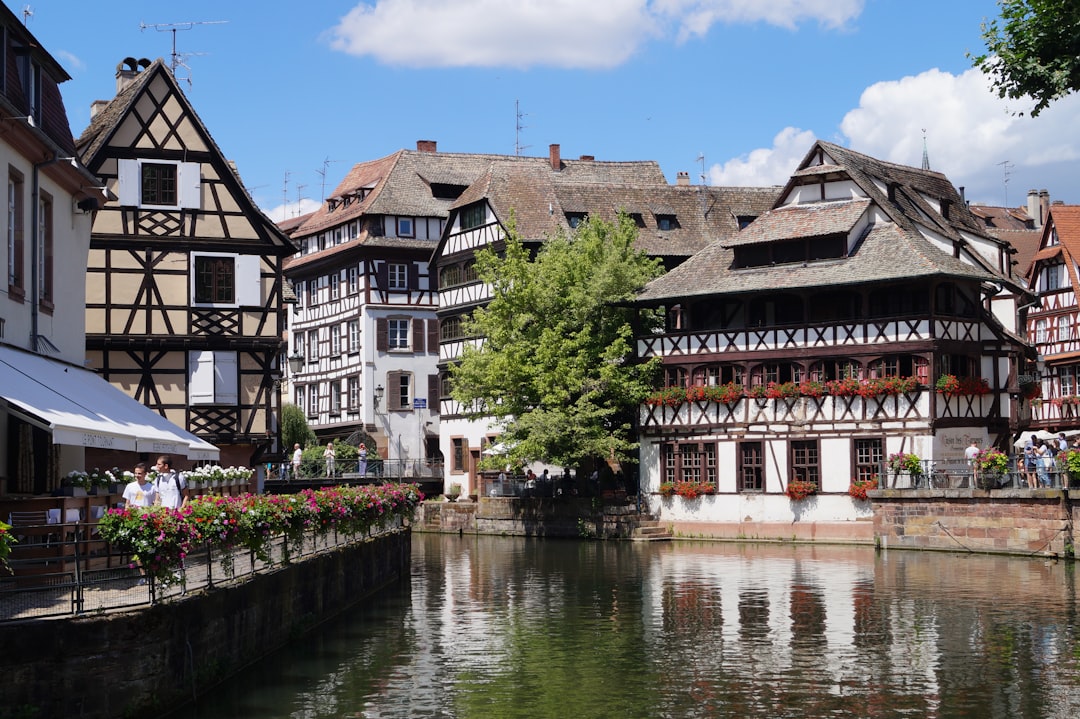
<point x="1039" y="434"/>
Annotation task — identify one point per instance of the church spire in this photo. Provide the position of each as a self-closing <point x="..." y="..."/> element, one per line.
<point x="925" y="155"/>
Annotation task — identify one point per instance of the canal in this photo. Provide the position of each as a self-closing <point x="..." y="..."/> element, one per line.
<point x="501" y="628"/>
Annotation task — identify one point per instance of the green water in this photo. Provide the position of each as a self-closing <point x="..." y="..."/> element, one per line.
<point x="510" y="627"/>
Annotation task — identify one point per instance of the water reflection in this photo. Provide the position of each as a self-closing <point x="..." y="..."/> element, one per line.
<point x="511" y="627"/>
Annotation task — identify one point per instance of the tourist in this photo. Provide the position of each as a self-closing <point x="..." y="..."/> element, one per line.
<point x="971" y="454"/>
<point x="361" y="453"/>
<point x="139" y="493"/>
<point x="1063" y="444"/>
<point x="170" y="485"/>
<point x="328" y="455"/>
<point x="297" y="456"/>
<point x="1031" y="462"/>
<point x="1044" y="459"/>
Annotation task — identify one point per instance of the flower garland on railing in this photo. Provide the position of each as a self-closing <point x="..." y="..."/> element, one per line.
<point x="952" y="386"/>
<point x="687" y="490"/>
<point x="1070" y="400"/>
<point x="161" y="538"/>
<point x="859" y="487"/>
<point x="800" y="489"/>
<point x="732" y="392"/>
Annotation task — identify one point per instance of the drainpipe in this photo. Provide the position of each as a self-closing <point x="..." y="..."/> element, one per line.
<point x="35" y="274"/>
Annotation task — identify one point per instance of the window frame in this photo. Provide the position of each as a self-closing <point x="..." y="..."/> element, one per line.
<point x="394" y="341"/>
<point x="751" y="467"/>
<point x="405" y="227"/>
<point x="397" y="276"/>
<point x="805" y="460"/>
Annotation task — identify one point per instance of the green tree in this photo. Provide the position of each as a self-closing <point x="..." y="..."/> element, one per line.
<point x="1034" y="50"/>
<point x="555" y="369"/>
<point x="294" y="428"/>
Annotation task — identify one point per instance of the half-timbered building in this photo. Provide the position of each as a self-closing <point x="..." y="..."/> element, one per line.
<point x="365" y="321"/>
<point x="53" y="412"/>
<point x="184" y="288"/>
<point x="1054" y="277"/>
<point x="545" y="196"/>
<point x="809" y="346"/>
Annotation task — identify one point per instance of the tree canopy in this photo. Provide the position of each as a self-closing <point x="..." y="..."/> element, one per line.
<point x="555" y="369"/>
<point x="1034" y="50"/>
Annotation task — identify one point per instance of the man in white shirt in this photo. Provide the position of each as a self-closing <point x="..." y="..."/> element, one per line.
<point x="170" y="484"/>
<point x="971" y="454"/>
<point x="141" y="492"/>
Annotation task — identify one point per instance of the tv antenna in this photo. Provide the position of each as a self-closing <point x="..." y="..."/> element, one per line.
<point x="1005" y="167"/>
<point x="518" y="127"/>
<point x="299" y="197"/>
<point x="27" y="13"/>
<point x="322" y="174"/>
<point x="701" y="159"/>
<point x="178" y="59"/>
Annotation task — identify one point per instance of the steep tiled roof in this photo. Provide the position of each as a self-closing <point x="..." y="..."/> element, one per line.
<point x="1003" y="218"/>
<point x="1026" y="244"/>
<point x="889" y="251"/>
<point x="541" y="198"/>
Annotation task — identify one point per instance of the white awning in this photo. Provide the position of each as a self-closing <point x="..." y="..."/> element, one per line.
<point x="80" y="408"/>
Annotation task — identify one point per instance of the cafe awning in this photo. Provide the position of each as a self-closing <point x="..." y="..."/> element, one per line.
<point x="77" y="407"/>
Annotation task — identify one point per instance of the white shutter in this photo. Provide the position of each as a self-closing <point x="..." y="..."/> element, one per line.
<point x="226" y="381"/>
<point x="248" y="281"/>
<point x="200" y="378"/>
<point x="189" y="181"/>
<point x="130" y="189"/>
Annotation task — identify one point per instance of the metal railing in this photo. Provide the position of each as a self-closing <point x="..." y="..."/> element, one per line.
<point x="75" y="572"/>
<point x="351" y="470"/>
<point x="958" y="474"/>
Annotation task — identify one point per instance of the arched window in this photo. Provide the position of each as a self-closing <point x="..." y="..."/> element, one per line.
<point x="769" y="372"/>
<point x="899" y="365"/>
<point x="717" y="374"/>
<point x="450" y="329"/>
<point x="827" y="370"/>
<point x="675" y="376"/>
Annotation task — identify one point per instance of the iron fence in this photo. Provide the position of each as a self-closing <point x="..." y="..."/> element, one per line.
<point x="374" y="470"/>
<point x="73" y="572"/>
<point x="959" y="474"/>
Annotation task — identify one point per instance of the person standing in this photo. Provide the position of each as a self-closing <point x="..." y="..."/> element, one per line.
<point x="328" y="455"/>
<point x="1031" y="462"/>
<point x="297" y="456"/>
<point x="170" y="485"/>
<point x="1044" y="459"/>
<point x="141" y="492"/>
<point x="361" y="454"/>
<point x="971" y="454"/>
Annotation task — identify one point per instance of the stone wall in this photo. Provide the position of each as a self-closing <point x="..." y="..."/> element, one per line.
<point x="138" y="663"/>
<point x="1033" y="522"/>
<point x="527" y="517"/>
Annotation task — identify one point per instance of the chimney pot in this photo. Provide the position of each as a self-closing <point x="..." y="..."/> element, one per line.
<point x="588" y="158"/>
<point x="682" y="178"/>
<point x="426" y="146"/>
<point x="553" y="155"/>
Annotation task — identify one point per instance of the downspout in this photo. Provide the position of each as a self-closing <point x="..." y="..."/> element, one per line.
<point x="35" y="275"/>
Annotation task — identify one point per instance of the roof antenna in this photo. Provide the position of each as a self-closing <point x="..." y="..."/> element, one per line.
<point x="322" y="174"/>
<point x="178" y="59"/>
<point x="27" y="13"/>
<point x="701" y="159"/>
<point x="518" y="127"/>
<point x="1005" y="167"/>
<point x="925" y="154"/>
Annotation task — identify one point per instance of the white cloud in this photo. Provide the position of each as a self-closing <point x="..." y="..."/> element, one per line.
<point x="969" y="132"/>
<point x="552" y="33"/>
<point x="290" y="210"/>
<point x="765" y="166"/>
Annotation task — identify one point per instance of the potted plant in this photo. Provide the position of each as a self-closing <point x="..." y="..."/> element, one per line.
<point x="455" y="492"/>
<point x="905" y="462"/>
<point x="859" y="487"/>
<point x="991" y="466"/>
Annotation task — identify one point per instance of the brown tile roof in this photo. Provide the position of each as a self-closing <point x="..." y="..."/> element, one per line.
<point x="1065" y="221"/>
<point x="1003" y="218"/>
<point x="1025" y="242"/>
<point x="889" y="251"/>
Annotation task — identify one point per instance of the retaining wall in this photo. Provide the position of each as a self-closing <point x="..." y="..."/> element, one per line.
<point x="139" y="663"/>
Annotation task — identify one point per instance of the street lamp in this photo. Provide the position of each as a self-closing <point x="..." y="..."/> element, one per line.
<point x="296" y="362"/>
<point x="379" y="392"/>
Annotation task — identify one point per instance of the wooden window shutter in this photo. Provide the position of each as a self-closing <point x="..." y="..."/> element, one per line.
<point x="382" y="335"/>
<point x="393" y="390"/>
<point x="130" y="182"/>
<point x="418" y="334"/>
<point x="412" y="276"/>
<point x="382" y="275"/>
<point x="433" y="336"/>
<point x="200" y="377"/>
<point x="433" y="386"/>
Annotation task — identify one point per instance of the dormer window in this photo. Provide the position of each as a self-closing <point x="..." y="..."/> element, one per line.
<point x="574" y="219"/>
<point x="332" y="204"/>
<point x="784" y="252"/>
<point x="638" y="219"/>
<point x="667" y="222"/>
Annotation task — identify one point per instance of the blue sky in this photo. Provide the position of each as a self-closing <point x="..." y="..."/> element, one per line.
<point x="735" y="90"/>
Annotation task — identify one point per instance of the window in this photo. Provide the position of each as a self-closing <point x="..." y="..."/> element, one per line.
<point x="1051" y="277"/>
<point x="215" y="280"/>
<point x="776" y="372"/>
<point x="751" y="467"/>
<point x="1064" y="328"/>
<point x="805" y="461"/>
<point x="399" y="391"/>
<point x="354" y="280"/>
<point x="354" y="336"/>
<point x="45" y="250"/>
<point x="397" y="275"/>
<point x="900" y="366"/>
<point x="335" y="286"/>
<point x="450" y="276"/>
<point x="675" y="376"/>
<point x="828" y="370"/>
<point x="574" y="219"/>
<point x="713" y="375"/>
<point x="450" y="329"/>
<point x="353" y="385"/>
<point x="313" y="401"/>
<point x="299" y="397"/>
<point x="1067" y="380"/>
<point x="398" y="334"/>
<point x="404" y="227"/>
<point x="159" y="184"/>
<point x="213" y="378"/>
<point x="16" y="281"/>
<point x="335" y="340"/>
<point x="313" y="346"/>
<point x="473" y="216"/>
<point x="666" y="222"/>
<point x="1040" y="331"/>
<point x="868" y="457"/>
<point x="313" y="291"/>
<point x="691" y="462"/>
<point x="457" y="455"/>
<point x="335" y="397"/>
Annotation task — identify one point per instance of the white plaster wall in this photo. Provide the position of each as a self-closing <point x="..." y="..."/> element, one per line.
<point x="733" y="509"/>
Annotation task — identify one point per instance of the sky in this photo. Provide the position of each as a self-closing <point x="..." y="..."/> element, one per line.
<point x="734" y="92"/>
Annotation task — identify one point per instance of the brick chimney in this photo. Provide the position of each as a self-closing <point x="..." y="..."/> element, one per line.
<point x="588" y="158"/>
<point x="682" y="178"/>
<point x="553" y="155"/>
<point x="1044" y="207"/>
<point x="426" y="146"/>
